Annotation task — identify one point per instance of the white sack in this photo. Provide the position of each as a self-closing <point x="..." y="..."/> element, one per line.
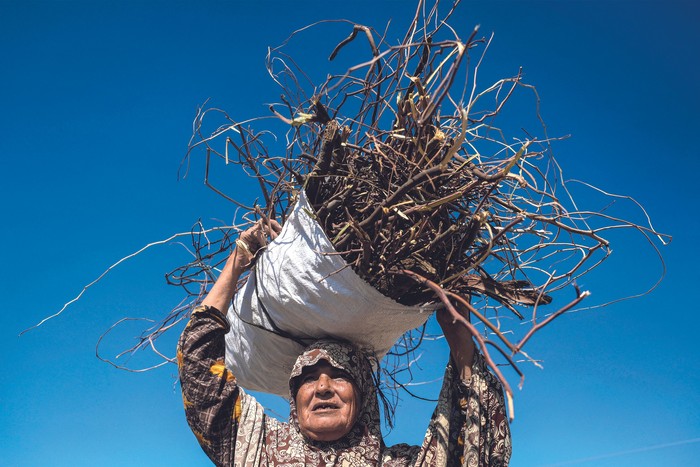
<point x="301" y="286"/>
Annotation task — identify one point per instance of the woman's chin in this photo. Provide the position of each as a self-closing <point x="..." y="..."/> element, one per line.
<point x="325" y="433"/>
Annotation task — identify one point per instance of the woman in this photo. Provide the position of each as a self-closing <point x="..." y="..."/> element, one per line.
<point x="334" y="413"/>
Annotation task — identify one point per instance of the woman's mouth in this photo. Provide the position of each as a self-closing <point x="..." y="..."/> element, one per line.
<point x="324" y="406"/>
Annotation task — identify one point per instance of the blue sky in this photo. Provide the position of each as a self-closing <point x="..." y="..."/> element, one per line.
<point x="97" y="104"/>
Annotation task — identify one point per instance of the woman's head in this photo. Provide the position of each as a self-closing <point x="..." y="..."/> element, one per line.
<point x="331" y="388"/>
<point x="327" y="402"/>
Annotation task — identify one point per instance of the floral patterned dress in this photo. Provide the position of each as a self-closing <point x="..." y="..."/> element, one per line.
<point x="469" y="426"/>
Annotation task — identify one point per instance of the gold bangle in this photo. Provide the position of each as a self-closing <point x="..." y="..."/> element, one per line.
<point x="243" y="246"/>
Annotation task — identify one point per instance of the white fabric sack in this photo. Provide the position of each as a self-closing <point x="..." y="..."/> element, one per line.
<point x="301" y="288"/>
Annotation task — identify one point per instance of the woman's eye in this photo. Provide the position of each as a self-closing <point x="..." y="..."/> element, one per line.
<point x="308" y="379"/>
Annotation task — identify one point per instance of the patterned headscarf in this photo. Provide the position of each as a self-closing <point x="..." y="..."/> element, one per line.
<point x="365" y="437"/>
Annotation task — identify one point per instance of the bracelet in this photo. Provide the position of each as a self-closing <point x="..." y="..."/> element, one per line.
<point x="243" y="246"/>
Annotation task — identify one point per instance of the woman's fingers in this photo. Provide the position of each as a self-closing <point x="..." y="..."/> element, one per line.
<point x="255" y="235"/>
<point x="276" y="229"/>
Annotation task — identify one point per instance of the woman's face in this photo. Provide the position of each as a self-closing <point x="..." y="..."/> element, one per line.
<point x="327" y="402"/>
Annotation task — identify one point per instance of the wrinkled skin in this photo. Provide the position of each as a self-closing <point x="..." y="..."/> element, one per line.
<point x="327" y="402"/>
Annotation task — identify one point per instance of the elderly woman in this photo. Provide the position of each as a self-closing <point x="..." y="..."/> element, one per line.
<point x="334" y="415"/>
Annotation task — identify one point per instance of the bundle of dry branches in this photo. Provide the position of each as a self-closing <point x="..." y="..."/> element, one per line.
<point x="418" y="187"/>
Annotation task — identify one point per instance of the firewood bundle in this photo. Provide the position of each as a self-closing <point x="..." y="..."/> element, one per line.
<point x="422" y="180"/>
<point x="413" y="200"/>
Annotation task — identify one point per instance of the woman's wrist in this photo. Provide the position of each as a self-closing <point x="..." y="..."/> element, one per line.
<point x="241" y="257"/>
<point x="461" y="344"/>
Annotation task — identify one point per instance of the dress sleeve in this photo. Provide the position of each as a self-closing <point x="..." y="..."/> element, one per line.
<point x="209" y="390"/>
<point x="469" y="425"/>
<point x="486" y="435"/>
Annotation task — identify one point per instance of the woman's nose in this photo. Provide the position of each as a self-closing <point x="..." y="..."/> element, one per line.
<point x="323" y="384"/>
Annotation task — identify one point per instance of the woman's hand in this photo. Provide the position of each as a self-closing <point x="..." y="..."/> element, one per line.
<point x="250" y="241"/>
<point x="241" y="258"/>
<point x="459" y="339"/>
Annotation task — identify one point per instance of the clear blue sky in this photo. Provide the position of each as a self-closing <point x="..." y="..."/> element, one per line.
<point x="97" y="103"/>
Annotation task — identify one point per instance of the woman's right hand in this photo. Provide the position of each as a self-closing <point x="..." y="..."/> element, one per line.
<point x="242" y="257"/>
<point x="251" y="240"/>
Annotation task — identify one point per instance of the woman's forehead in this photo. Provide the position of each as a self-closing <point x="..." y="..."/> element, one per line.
<point x="339" y="355"/>
<point x="322" y="366"/>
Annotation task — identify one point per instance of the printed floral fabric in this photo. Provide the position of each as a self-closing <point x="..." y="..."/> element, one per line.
<point x="469" y="426"/>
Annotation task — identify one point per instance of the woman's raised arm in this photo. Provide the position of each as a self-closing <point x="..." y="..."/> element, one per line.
<point x="460" y="341"/>
<point x="209" y="391"/>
